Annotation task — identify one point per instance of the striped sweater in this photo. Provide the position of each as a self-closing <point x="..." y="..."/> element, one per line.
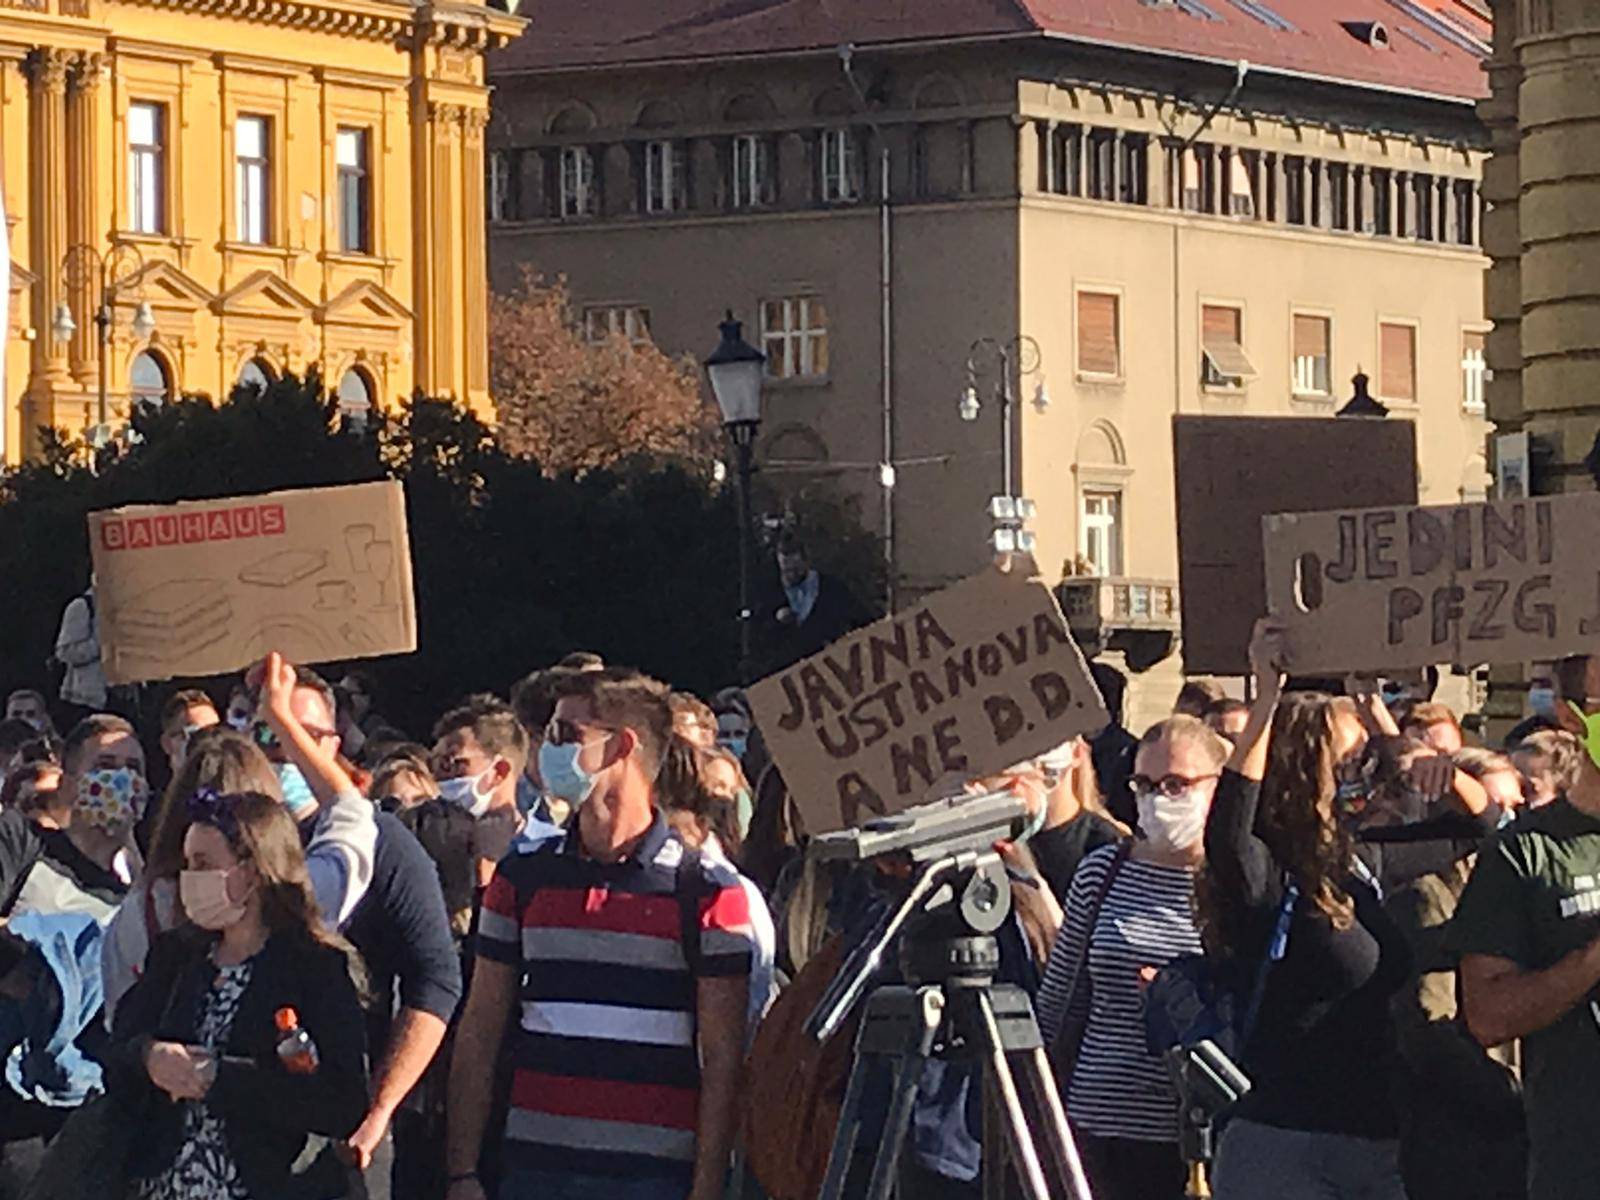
<point x="1118" y="1089"/>
<point x="606" y="1070"/>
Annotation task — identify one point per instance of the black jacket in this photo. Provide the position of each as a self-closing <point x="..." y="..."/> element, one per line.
<point x="267" y="1111"/>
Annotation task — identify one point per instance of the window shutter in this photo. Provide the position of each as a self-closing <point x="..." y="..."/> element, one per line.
<point x="1098" y="351"/>
<point x="1310" y="337"/>
<point x="1219" y="324"/>
<point x="1398" y="372"/>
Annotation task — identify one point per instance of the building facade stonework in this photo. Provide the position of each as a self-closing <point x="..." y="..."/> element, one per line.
<point x="1170" y="242"/>
<point x="282" y="187"/>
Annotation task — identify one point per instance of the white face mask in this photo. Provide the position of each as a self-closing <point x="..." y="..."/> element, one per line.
<point x="1173" y="823"/>
<point x="468" y="792"/>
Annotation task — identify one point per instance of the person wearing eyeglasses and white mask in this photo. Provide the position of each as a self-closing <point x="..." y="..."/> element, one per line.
<point x="1129" y="912"/>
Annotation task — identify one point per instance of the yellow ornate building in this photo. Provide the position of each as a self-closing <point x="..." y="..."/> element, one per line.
<point x="238" y="188"/>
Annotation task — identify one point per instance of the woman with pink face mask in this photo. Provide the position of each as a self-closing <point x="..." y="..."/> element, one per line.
<point x="224" y="1113"/>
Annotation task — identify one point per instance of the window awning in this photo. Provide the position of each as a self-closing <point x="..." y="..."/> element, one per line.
<point x="1228" y="358"/>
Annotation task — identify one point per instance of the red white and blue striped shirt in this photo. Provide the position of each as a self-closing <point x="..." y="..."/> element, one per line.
<point x="606" y="1076"/>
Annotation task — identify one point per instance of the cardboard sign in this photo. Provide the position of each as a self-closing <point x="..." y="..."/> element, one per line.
<point x="209" y="586"/>
<point x="1231" y="472"/>
<point x="972" y="680"/>
<point x="1379" y="588"/>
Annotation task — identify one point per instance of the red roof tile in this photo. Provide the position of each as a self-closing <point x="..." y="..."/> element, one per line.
<point x="1419" y="57"/>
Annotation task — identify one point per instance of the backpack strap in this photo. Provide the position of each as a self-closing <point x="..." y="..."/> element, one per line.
<point x="1119" y="856"/>
<point x="689" y="887"/>
<point x="1277" y="947"/>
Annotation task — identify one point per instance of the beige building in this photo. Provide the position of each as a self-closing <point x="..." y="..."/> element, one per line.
<point x="249" y="187"/>
<point x="1156" y="227"/>
<point x="1544" y="275"/>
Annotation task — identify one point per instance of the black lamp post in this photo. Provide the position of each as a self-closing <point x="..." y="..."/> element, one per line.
<point x="112" y="270"/>
<point x="736" y="370"/>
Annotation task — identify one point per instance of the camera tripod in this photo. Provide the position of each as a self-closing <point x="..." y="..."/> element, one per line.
<point x="951" y="1008"/>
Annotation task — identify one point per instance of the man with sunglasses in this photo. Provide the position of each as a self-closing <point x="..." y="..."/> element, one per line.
<point x="296" y="729"/>
<point x="630" y="958"/>
<point x="1528" y="932"/>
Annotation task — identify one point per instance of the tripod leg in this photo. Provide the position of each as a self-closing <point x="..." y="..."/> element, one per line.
<point x="907" y="1078"/>
<point x="1063" y="1146"/>
<point x="1024" y="1155"/>
<point x="844" y="1137"/>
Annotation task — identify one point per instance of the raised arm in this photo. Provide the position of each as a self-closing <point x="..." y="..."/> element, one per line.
<point x="342" y="851"/>
<point x="1240" y="862"/>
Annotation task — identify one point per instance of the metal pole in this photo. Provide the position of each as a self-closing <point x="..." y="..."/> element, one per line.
<point x="886" y="319"/>
<point x="1005" y="420"/>
<point x="102" y="320"/>
<point x="742" y="440"/>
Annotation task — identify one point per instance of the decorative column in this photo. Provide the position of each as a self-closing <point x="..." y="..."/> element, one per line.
<point x="446" y="122"/>
<point x="475" y="264"/>
<point x="47" y="156"/>
<point x="83" y="194"/>
<point x="1049" y="172"/>
<point x="1027" y="156"/>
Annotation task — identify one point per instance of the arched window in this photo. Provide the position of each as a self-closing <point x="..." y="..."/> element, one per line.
<point x="1103" y="473"/>
<point x="149" y="381"/>
<point x="355" y="399"/>
<point x="257" y="373"/>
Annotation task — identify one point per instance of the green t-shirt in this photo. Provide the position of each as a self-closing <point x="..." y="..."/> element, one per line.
<point x="1534" y="897"/>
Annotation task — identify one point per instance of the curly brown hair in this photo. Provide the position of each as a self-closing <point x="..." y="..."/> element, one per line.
<point x="1297" y="820"/>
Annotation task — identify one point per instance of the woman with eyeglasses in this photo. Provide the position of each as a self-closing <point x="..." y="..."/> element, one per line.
<point x="1320" y="1120"/>
<point x="197" y="1063"/>
<point x="1129" y="912"/>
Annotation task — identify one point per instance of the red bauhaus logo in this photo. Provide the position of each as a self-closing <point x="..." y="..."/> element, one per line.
<point x="236" y="522"/>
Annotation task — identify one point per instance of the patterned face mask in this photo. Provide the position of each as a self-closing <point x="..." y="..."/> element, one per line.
<point x="112" y="799"/>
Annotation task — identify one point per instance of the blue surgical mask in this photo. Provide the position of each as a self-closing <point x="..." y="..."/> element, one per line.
<point x="297" y="794"/>
<point x="563" y="777"/>
<point x="736" y="744"/>
<point x="1542" y="701"/>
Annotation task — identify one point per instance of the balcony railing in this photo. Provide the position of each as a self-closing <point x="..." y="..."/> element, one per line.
<point x="1138" y="616"/>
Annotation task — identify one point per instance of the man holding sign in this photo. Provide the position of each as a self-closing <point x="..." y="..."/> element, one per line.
<point x="1528" y="930"/>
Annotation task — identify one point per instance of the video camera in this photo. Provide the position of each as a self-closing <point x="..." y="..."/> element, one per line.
<point x="958" y="878"/>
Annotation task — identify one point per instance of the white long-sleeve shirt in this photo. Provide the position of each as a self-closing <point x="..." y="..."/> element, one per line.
<point x="78" y="648"/>
<point x="339" y="860"/>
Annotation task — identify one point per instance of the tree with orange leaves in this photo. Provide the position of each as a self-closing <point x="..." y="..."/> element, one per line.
<point x="572" y="404"/>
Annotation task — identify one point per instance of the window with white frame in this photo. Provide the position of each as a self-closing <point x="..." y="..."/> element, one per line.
<point x="1474" y="370"/>
<point x="794" y="335"/>
<point x="1397" y="362"/>
<point x="1100" y="529"/>
<point x="665" y="177"/>
<point x="1223" y="362"/>
<point x="502" y="186"/>
<point x="577" y="182"/>
<point x="355" y="191"/>
<point x="252" y="179"/>
<point x="146" y="167"/>
<point x="752" y="171"/>
<point x="841" y="166"/>
<point x="601" y="322"/>
<point x="1313" y="339"/>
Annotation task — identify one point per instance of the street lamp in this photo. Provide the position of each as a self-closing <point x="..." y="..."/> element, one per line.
<point x="736" y="370"/>
<point x="1019" y="357"/>
<point x="116" y="269"/>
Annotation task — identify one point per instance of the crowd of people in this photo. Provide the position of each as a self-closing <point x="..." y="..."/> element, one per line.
<point x="274" y="948"/>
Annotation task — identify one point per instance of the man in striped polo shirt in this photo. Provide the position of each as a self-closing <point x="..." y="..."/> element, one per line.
<point x="628" y="1045"/>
